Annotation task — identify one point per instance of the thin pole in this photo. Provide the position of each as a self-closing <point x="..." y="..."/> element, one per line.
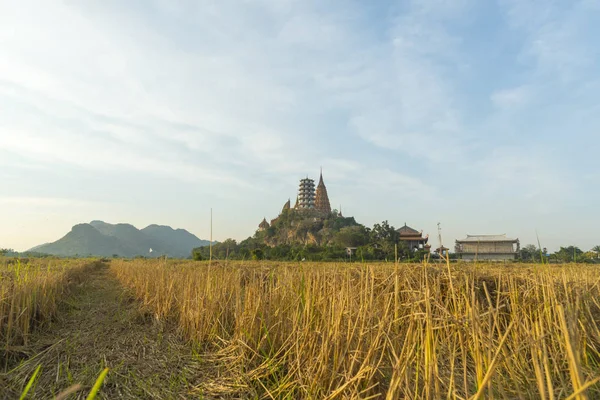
<point x="210" y="245"/>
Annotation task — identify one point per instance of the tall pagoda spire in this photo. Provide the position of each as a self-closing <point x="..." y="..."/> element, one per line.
<point x="321" y="198"/>
<point x="286" y="206"/>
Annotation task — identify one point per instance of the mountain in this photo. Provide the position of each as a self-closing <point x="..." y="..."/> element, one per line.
<point x="179" y="241"/>
<point x="134" y="239"/>
<point x="33" y="249"/>
<point x="99" y="238"/>
<point x="84" y="239"/>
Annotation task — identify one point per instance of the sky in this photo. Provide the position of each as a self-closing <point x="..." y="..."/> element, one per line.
<point x="483" y="116"/>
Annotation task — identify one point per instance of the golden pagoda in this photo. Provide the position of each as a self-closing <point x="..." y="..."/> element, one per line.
<point x="321" y="198"/>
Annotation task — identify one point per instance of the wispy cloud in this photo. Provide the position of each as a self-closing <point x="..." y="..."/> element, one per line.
<point x="556" y="36"/>
<point x="46" y="202"/>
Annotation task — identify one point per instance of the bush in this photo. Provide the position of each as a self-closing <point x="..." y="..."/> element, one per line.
<point x="197" y="255"/>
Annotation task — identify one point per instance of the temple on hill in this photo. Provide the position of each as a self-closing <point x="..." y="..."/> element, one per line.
<point x="413" y="238"/>
<point x="309" y="199"/>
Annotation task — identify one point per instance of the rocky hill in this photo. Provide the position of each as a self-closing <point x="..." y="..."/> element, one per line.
<point x="303" y="227"/>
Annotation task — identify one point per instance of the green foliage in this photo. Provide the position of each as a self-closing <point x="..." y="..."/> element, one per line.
<point x="384" y="233"/>
<point x="569" y="254"/>
<point x="197" y="254"/>
<point x="351" y="236"/>
<point x="257" y="254"/>
<point x="596" y="249"/>
<point x="530" y="253"/>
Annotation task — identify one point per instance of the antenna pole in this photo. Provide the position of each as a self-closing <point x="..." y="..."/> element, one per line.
<point x="210" y="245"/>
<point x="447" y="256"/>
<point x="440" y="239"/>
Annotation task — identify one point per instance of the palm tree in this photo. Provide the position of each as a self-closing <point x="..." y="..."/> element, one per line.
<point x="597" y="250"/>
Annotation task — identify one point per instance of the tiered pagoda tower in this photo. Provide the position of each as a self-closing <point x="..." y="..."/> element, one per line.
<point x="321" y="198"/>
<point x="306" y="194"/>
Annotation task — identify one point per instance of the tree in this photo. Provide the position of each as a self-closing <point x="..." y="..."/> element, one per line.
<point x="351" y="236"/>
<point x="596" y="250"/>
<point x="257" y="254"/>
<point x="197" y="254"/>
<point x="385" y="237"/>
<point x="569" y="254"/>
<point x="530" y="253"/>
<point x="384" y="232"/>
<point x="370" y="252"/>
<point x="404" y="252"/>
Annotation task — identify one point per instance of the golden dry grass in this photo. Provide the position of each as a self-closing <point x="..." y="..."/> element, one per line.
<point x="99" y="325"/>
<point x="277" y="330"/>
<point x="30" y="291"/>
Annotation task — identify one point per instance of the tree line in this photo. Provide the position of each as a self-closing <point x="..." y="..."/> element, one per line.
<point x="566" y="254"/>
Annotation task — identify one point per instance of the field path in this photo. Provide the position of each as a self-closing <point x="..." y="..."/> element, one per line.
<point x="101" y="325"/>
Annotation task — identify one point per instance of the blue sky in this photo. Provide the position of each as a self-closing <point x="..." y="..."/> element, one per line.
<point x="481" y="115"/>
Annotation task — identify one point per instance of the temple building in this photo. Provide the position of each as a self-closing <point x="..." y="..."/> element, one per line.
<point x="321" y="199"/>
<point x="309" y="199"/>
<point x="306" y="194"/>
<point x="263" y="225"/>
<point x="413" y="238"/>
<point x="487" y="248"/>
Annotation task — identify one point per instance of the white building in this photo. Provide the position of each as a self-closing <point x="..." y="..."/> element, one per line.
<point x="487" y="248"/>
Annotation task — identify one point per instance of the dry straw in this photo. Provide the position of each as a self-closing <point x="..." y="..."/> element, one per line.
<point x="372" y="331"/>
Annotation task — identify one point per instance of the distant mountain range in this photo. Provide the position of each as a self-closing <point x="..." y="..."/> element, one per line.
<point x="99" y="238"/>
